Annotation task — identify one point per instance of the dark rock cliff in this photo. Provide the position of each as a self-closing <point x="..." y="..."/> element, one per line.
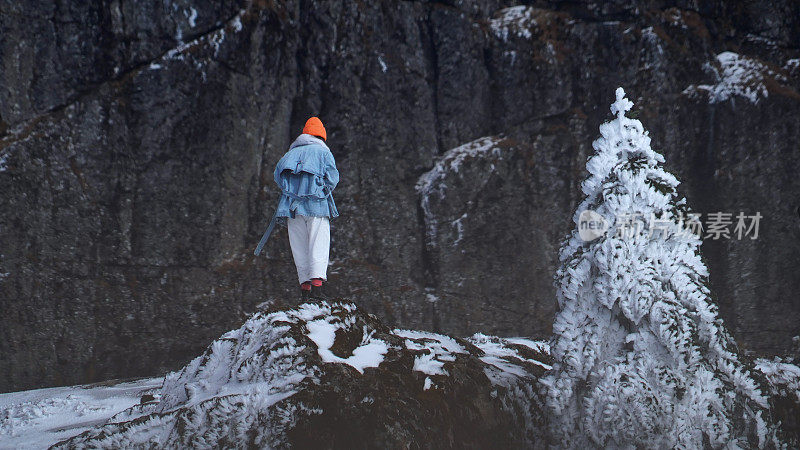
<point x="137" y="141"/>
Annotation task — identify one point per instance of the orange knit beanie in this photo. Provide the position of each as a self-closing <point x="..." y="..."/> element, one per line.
<point x="314" y="127"/>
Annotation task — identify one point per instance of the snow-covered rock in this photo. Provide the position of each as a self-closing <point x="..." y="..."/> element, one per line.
<point x="326" y="375"/>
<point x="433" y="185"/>
<point x="481" y="211"/>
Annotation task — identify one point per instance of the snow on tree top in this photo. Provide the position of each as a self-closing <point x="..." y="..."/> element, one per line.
<point x="623" y="145"/>
<point x="622" y="105"/>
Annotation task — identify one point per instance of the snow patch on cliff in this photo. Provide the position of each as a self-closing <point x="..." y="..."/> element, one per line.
<point x="736" y="75"/>
<point x="452" y="161"/>
<point x="503" y="352"/>
<point x="191" y="15"/>
<point x="513" y="21"/>
<point x="212" y="40"/>
<point x="433" y="182"/>
<point x="508" y="355"/>
<point x="3" y="161"/>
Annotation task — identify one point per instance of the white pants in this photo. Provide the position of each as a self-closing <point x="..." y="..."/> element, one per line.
<point x="310" y="238"/>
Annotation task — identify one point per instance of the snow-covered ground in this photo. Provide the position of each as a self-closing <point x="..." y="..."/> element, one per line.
<point x="42" y="417"/>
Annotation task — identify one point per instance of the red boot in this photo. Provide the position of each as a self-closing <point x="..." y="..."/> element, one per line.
<point x="317" y="291"/>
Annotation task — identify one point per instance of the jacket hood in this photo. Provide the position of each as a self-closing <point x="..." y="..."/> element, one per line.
<point x="307" y="139"/>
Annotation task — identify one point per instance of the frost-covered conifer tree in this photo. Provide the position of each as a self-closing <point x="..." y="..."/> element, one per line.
<point x="641" y="356"/>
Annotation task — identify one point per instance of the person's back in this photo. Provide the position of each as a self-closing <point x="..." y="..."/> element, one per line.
<point x="307" y="176"/>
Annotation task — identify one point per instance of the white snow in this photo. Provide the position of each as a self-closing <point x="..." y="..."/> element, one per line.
<point x="784" y="378"/>
<point x="439" y="349"/>
<point x="428" y="384"/>
<point x="452" y="160"/>
<point x="538" y="346"/>
<point x="192" y="17"/>
<point x="369" y="354"/>
<point x="649" y="35"/>
<point x="214" y="40"/>
<point x="40" y="418"/>
<point x="504" y="362"/>
<point x="499" y="354"/>
<point x="428" y="364"/>
<point x="459" y="224"/>
<point x="440" y="343"/>
<point x="382" y="63"/>
<point x="3" y="161"/>
<point x="761" y="40"/>
<point x="516" y="21"/>
<point x="306" y="312"/>
<point x="737" y="75"/>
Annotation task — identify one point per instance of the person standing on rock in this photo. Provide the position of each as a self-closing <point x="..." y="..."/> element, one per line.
<point x="307" y="176"/>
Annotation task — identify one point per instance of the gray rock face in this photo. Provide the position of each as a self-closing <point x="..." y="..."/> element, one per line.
<point x="137" y="143"/>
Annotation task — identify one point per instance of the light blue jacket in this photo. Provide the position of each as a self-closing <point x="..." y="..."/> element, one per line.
<point x="307" y="176"/>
